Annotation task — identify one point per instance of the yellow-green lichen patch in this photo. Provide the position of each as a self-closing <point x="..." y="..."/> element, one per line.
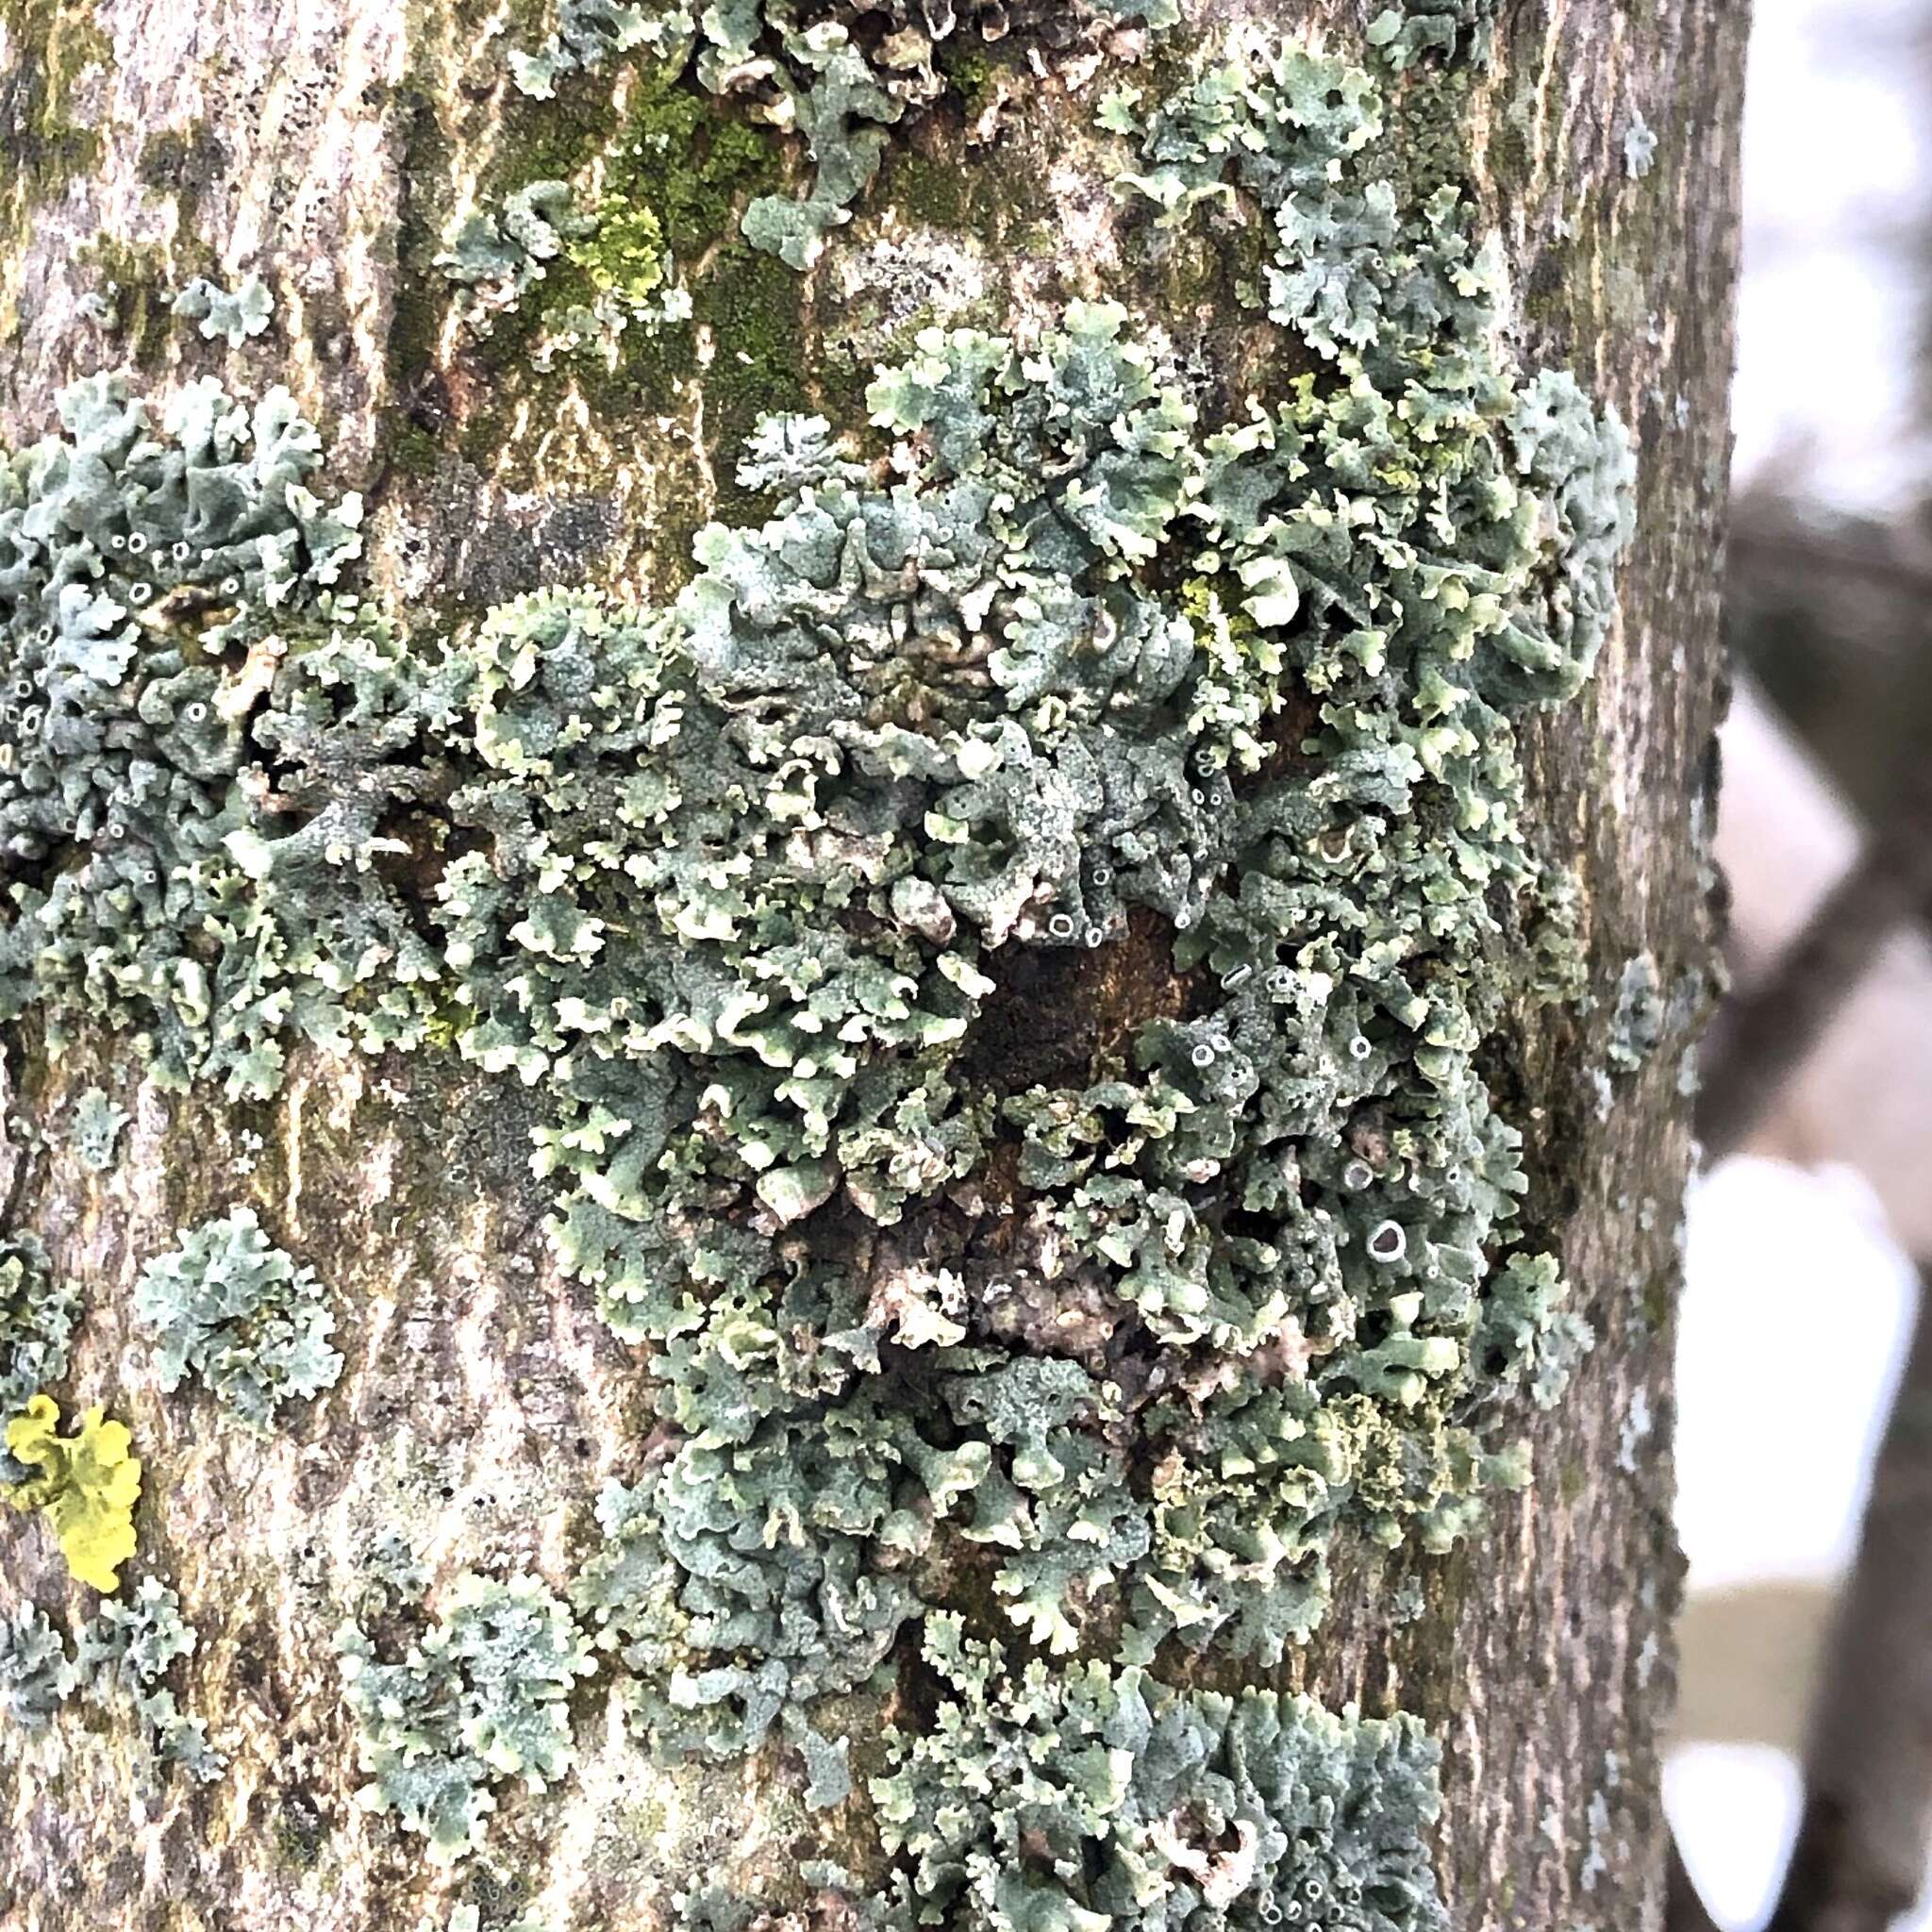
<point x="85" y="1484"/>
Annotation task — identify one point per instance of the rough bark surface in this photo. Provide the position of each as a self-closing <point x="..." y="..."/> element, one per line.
<point x="326" y="148"/>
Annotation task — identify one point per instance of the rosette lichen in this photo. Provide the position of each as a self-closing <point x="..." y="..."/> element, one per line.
<point x="247" y="1320"/>
<point x="481" y="1696"/>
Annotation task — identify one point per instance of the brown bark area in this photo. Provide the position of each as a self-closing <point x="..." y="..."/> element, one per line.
<point x="482" y="1398"/>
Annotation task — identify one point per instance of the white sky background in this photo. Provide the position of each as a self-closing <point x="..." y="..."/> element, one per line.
<point x="1838" y="156"/>
<point x="1837" y="171"/>
<point x="1759" y="1499"/>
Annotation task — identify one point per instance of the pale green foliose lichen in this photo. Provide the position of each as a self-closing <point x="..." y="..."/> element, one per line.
<point x="243" y="1317"/>
<point x="761" y="888"/>
<point x="499" y="259"/>
<point x="123" y="1653"/>
<point x="1453" y="28"/>
<point x="1528" y="1337"/>
<point x="1073" y="1800"/>
<point x="33" y="1668"/>
<point x="96" y="1130"/>
<point x="142" y="568"/>
<point x="907" y="740"/>
<point x="481" y="1696"/>
<point x="233" y="314"/>
<point x="1423" y="549"/>
<point x="1642" y="1016"/>
<point x="38" y="1314"/>
<point x="590" y="34"/>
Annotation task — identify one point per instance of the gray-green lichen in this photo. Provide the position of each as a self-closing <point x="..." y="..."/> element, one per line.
<point x="250" y="1323"/>
<point x="33" y="1668"/>
<point x="1422" y="548"/>
<point x="1639" y="146"/>
<point x="124" y="1652"/>
<point x="143" y="569"/>
<point x="234" y="315"/>
<point x="96" y="1130"/>
<point x="37" y="1315"/>
<point x="121" y="1655"/>
<point x="1035" y="693"/>
<point x="591" y="33"/>
<point x="1642" y="1017"/>
<point x="1453" y="28"/>
<point x="898" y="734"/>
<point x="481" y="1696"/>
<point x="1073" y="1800"/>
<point x="1528" y="1337"/>
<point x="499" y="259"/>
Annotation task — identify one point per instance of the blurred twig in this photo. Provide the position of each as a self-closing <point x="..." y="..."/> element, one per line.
<point x="1841" y="595"/>
<point x="1859" y="1857"/>
<point x="1766" y="541"/>
<point x="1683" y="1910"/>
<point x="1769" y="1031"/>
<point x="1830" y="611"/>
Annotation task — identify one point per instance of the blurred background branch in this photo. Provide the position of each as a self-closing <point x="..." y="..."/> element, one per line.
<point x="1823" y="1057"/>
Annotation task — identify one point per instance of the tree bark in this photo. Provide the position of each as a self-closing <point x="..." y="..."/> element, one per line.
<point x="332" y="150"/>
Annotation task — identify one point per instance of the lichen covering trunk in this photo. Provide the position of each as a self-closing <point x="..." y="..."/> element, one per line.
<point x="855" y="876"/>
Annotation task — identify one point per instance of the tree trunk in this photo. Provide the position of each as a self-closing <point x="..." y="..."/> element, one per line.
<point x="1059" y="1337"/>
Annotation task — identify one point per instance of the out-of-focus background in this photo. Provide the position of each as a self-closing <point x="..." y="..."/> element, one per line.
<point x="1807" y="1233"/>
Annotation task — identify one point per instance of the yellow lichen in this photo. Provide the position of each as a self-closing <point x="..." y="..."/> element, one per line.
<point x="86" y="1489"/>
